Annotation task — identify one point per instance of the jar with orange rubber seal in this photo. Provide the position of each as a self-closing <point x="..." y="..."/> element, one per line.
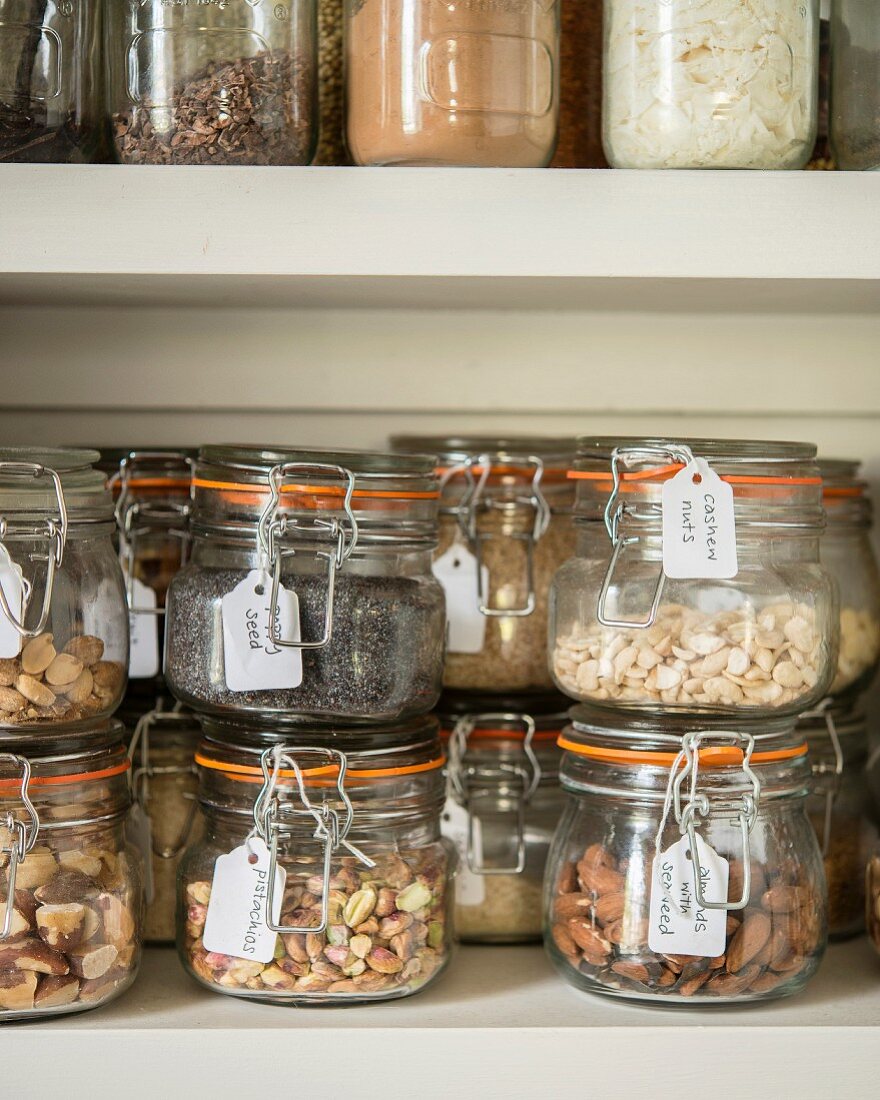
<point x="697" y="583"/>
<point x="685" y="868"/>
<point x="322" y="877"/>
<point x="309" y="588"/>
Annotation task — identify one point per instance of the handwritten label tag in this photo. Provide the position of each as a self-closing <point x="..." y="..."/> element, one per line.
<point x="456" y="570"/>
<point x="143" y="632"/>
<point x="699" y="528"/>
<point x="12" y="580"/>
<point x="139" y="833"/>
<point x="236" y="920"/>
<point x="470" y="889"/>
<point x="678" y="926"/>
<point x="252" y="661"/>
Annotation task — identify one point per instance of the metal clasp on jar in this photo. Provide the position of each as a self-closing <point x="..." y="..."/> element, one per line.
<point x="331" y="830"/>
<point x="340" y="532"/>
<point x="464" y="779"/>
<point x="616" y="512"/>
<point x="52" y="529"/>
<point x="19" y="839"/>
<point x="146" y="771"/>
<point x="827" y="776"/>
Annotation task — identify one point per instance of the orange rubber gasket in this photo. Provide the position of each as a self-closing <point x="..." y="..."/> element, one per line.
<point x="316" y="490"/>
<point x="558" y="473"/>
<point x="855" y="491"/>
<point x="153" y="483"/>
<point x="60" y="780"/>
<point x="245" y="773"/>
<point x="665" y="472"/>
<point x="482" y="734"/>
<point x="714" y="756"/>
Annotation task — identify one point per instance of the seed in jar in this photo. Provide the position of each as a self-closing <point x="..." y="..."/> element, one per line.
<point x="37" y="655"/>
<point x="63" y="670"/>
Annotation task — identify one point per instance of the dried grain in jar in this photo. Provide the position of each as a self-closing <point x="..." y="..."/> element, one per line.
<point x="580" y="86"/>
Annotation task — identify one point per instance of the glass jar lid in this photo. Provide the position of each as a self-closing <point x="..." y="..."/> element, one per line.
<point x="845" y="494"/>
<point x="61" y="484"/>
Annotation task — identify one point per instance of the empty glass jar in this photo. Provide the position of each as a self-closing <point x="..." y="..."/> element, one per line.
<point x="750" y="623"/>
<point x="685" y="868"/>
<point x="855" y="84"/>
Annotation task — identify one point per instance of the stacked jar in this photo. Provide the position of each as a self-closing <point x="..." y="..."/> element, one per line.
<point x="505" y="528"/>
<point x="71" y="891"/>
<point x="693" y="625"/>
<point x="306" y="630"/>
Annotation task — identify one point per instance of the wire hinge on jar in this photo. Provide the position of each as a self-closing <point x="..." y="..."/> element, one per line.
<point x="330" y="830"/>
<point x="145" y="771"/>
<point x="821" y="768"/>
<point x="19" y="838"/>
<point x="461" y="779"/>
<point x="52" y="529"/>
<point x="698" y="807"/>
<point x="343" y="532"/>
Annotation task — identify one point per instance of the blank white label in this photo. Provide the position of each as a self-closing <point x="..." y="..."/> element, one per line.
<point x="678" y="925"/>
<point x="456" y="570"/>
<point x="236" y="920"/>
<point x="699" y="527"/>
<point x="139" y="833"/>
<point x="143" y="629"/>
<point x="470" y="888"/>
<point x="11" y="579"/>
<point x="252" y="661"/>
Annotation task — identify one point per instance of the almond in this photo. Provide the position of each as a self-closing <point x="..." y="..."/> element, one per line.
<point x="572" y="905"/>
<point x="34" y="691"/>
<point x="610" y="907"/>
<point x="80" y="689"/>
<point x="64" y="669"/>
<point x="598" y="879"/>
<point x="563" y="939"/>
<point x="635" y="971"/>
<point x="37" y="655"/>
<point x="785" y="899"/>
<point x="731" y="985"/>
<point x="588" y="939"/>
<point x="748" y="941"/>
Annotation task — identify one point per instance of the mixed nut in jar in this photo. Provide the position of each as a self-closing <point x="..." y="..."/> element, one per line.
<point x="63" y="619"/>
<point x="503" y="805"/>
<point x="685" y="868"/>
<point x="322" y="877"/>
<point x="309" y="589"/>
<point x="697" y="584"/>
<point x="70" y="885"/>
<point x="505" y="528"/>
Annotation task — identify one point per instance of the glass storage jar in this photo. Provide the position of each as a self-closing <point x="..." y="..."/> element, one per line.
<point x="505" y="528"/>
<point x="580" y="86"/>
<point x="469" y="84"/>
<point x="855" y="84"/>
<point x="838" y="808"/>
<point x="50" y="108"/>
<point x="630" y="913"/>
<point x="872" y="909"/>
<point x="349" y="536"/>
<point x="364" y="913"/>
<point x="212" y="83"/>
<point x="502" y="807"/>
<point x="63" y="621"/>
<point x="624" y="634"/>
<point x="847" y="553"/>
<point x="720" y="84"/>
<point x="70" y="887"/>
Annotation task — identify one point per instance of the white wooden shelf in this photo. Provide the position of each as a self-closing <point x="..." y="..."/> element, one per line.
<point x="427" y="238"/>
<point x="499" y="1024"/>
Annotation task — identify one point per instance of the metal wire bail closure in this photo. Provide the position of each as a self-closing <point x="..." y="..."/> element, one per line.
<point x="833" y="771"/>
<point x="460" y="776"/>
<point x="329" y="829"/>
<point x="615" y="512"/>
<point x="128" y="512"/>
<point x="56" y="532"/>
<point x="467" y="519"/>
<point x="140" y="778"/>
<point x="22" y="837"/>
<point x="343" y="532"/>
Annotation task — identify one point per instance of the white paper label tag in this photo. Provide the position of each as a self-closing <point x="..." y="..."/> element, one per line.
<point x="251" y="660"/>
<point x="699" y="528"/>
<point x="678" y="926"/>
<point x="143" y="630"/>
<point x="236" y="920"/>
<point x="139" y="832"/>
<point x="12" y="580"/>
<point x="456" y="570"/>
<point x="470" y="889"/>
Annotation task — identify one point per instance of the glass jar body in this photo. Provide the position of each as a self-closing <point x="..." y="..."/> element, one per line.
<point x="231" y="83"/>
<point x="690" y="87"/>
<point x="872" y="890"/>
<point x="855" y="85"/>
<point x="467" y="84"/>
<point x="848" y="556"/>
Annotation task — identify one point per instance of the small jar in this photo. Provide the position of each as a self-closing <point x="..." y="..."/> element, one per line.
<point x="855" y="84"/>
<point x="357" y="904"/>
<point x="73" y="919"/>
<point x="838" y="808"/>
<point x="63" y="619"/>
<point x="505" y="528"/>
<point x="503" y="805"/>
<point x="334" y="550"/>
<point x="580" y="86"/>
<point x="50" y="63"/>
<point x="691" y="85"/>
<point x="685" y="868"/>
<point x="848" y="555"/>
<point x="468" y="84"/>
<point x="625" y="634"/>
<point x="223" y="83"/>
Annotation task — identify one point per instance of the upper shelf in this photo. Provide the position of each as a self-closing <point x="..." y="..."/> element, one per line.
<point x="463" y="238"/>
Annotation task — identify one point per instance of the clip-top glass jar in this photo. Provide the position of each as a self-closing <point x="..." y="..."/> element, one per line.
<point x="70" y="887"/>
<point x="63" y="620"/>
<point x="333" y="549"/>
<point x="624" y="634"/>
<point x="212" y="83"/>
<point x="694" y="85"/>
<point x="468" y="84"/>
<point x="505" y="528"/>
<point x="502" y="809"/>
<point x="855" y="84"/>
<point x="847" y="553"/>
<point x="685" y="867"/>
<point x="357" y="899"/>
